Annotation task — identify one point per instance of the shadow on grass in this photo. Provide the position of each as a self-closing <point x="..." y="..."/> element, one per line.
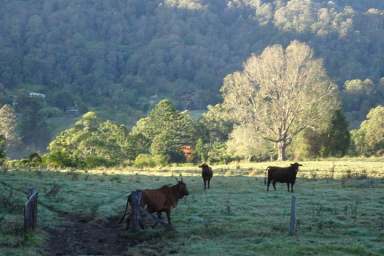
<point x="88" y="205"/>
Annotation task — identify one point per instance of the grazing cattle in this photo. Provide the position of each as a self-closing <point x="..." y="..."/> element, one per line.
<point x="206" y="173"/>
<point x="159" y="200"/>
<point x="281" y="174"/>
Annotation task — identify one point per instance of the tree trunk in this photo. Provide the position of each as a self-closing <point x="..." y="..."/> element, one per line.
<point x="281" y="150"/>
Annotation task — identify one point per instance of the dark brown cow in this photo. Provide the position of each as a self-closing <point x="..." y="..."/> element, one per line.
<point x="206" y="173"/>
<point x="160" y="200"/>
<point x="281" y="174"/>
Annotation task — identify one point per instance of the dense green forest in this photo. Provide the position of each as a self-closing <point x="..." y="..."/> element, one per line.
<point x="119" y="58"/>
<point x="117" y="54"/>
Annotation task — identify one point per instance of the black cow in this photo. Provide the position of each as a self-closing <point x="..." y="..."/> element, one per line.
<point x="206" y="173"/>
<point x="281" y="174"/>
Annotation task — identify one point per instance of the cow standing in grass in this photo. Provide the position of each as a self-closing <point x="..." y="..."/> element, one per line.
<point x="206" y="173"/>
<point x="159" y="200"/>
<point x="281" y="174"/>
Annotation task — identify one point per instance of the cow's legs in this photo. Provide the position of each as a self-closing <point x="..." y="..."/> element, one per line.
<point x="274" y="185"/>
<point x="168" y="212"/>
<point x="268" y="183"/>
<point x="292" y="186"/>
<point x="288" y="186"/>
<point x="209" y="183"/>
<point x="205" y="184"/>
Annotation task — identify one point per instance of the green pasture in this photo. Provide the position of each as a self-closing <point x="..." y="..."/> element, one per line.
<point x="340" y="209"/>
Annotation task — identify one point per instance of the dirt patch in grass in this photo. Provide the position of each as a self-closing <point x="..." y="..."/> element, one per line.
<point x="85" y="235"/>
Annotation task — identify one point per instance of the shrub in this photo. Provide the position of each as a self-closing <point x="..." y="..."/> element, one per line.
<point x="218" y="153"/>
<point x="91" y="142"/>
<point x="160" y="160"/>
<point x="144" y="160"/>
<point x="95" y="161"/>
<point x="35" y="160"/>
<point x="61" y="159"/>
<point x="17" y="164"/>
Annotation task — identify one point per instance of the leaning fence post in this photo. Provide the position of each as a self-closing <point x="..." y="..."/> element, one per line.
<point x="292" y="224"/>
<point x="30" y="210"/>
<point x="34" y="211"/>
<point x="134" y="218"/>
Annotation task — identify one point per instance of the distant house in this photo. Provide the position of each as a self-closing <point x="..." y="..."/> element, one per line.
<point x="153" y="99"/>
<point x="72" y="111"/>
<point x="37" y="95"/>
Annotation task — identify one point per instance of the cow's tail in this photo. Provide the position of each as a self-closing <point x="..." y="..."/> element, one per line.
<point x="265" y="176"/>
<point x="126" y="209"/>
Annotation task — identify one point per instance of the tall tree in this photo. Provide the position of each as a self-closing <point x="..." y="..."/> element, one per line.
<point x="217" y="123"/>
<point x="167" y="130"/>
<point x="244" y="142"/>
<point x="369" y="138"/>
<point x="8" y="125"/>
<point x="359" y="97"/>
<point x="280" y="93"/>
<point x="331" y="140"/>
<point x="33" y="127"/>
<point x="336" y="139"/>
<point x="2" y="149"/>
<point x="159" y="118"/>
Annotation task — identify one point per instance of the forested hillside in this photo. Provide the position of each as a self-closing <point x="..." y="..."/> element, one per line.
<point x="122" y="56"/>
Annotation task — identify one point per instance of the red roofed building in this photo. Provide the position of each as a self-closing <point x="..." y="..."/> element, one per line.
<point x="187" y="151"/>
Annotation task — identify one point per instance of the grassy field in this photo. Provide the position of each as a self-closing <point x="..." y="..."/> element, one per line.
<point x="340" y="210"/>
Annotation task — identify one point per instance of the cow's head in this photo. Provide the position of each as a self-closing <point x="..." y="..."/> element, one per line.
<point x="295" y="166"/>
<point x="204" y="165"/>
<point x="181" y="188"/>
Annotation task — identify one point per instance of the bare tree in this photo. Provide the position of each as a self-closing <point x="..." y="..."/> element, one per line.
<point x="280" y="93"/>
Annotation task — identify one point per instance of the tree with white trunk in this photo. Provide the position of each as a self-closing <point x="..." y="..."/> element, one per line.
<point x="280" y="93"/>
<point x="8" y="125"/>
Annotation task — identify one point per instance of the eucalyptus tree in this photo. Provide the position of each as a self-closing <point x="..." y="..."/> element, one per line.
<point x="8" y="125"/>
<point x="369" y="138"/>
<point x="280" y="93"/>
<point x="2" y="149"/>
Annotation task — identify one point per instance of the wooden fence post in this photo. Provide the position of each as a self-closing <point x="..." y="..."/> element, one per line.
<point x="134" y="218"/>
<point x="30" y="211"/>
<point x="292" y="224"/>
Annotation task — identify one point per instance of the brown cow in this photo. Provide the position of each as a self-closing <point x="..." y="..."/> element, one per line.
<point x="281" y="174"/>
<point x="206" y="173"/>
<point x="160" y="200"/>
